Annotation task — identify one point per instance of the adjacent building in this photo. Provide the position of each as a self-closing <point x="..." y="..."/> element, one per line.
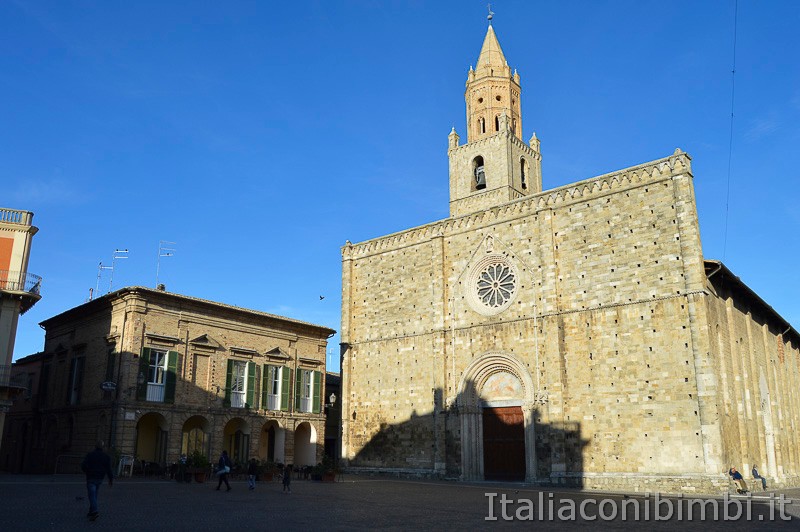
<point x="575" y="335"/>
<point x="158" y="374"/>
<point x="19" y="291"/>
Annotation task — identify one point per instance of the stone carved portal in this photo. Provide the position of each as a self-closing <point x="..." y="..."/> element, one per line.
<point x="496" y="412"/>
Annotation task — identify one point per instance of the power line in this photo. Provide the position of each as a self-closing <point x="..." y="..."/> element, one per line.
<point x="730" y="140"/>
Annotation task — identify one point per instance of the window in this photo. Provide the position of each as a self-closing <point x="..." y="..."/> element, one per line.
<point x="275" y="388"/>
<point x="157" y="375"/>
<point x="497" y="123"/>
<point x="307" y="391"/>
<point x="44" y="382"/>
<point x="75" y="381"/>
<point x="29" y="385"/>
<point x="240" y="384"/>
<point x="523" y="174"/>
<point x="482" y="125"/>
<point x="110" y="365"/>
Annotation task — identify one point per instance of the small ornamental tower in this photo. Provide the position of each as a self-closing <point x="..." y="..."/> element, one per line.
<point x="495" y="166"/>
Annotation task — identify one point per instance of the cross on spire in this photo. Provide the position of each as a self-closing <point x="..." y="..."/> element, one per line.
<point x="491" y="13"/>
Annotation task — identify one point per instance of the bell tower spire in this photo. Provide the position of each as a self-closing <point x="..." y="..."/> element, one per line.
<point x="495" y="166"/>
<point x="492" y="90"/>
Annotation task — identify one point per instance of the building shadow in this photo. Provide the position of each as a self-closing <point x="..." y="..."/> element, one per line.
<point x="474" y="439"/>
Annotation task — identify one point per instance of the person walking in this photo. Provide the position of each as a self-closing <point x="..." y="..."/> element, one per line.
<point x="252" y="471"/>
<point x="96" y="465"/>
<point x="223" y="468"/>
<point x="287" y="478"/>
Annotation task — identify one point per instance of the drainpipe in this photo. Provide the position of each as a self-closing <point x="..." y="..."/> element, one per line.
<point x="719" y="267"/>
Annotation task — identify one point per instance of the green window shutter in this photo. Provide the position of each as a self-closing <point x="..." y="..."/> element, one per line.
<point x="141" y="378"/>
<point x="264" y="385"/>
<point x="286" y="377"/>
<point x="250" y="394"/>
<point x="172" y="377"/>
<point x="298" y="380"/>
<point x="228" y="378"/>
<point x="317" y="392"/>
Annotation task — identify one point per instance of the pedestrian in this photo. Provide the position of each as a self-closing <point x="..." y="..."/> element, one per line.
<point x="223" y="468"/>
<point x="252" y="471"/>
<point x="757" y="476"/>
<point x="737" y="477"/>
<point x="287" y="478"/>
<point x="96" y="465"/>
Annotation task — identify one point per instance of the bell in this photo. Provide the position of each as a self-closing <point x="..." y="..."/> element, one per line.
<point x="480" y="178"/>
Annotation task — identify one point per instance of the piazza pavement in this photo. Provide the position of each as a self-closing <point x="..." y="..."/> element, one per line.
<point x="354" y="503"/>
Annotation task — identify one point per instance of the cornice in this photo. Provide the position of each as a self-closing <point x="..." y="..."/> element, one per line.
<point x="679" y="163"/>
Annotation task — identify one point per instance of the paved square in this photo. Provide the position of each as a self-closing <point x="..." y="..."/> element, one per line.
<point x="59" y="503"/>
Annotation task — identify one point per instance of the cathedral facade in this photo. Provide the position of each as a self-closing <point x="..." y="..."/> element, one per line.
<point x="569" y="336"/>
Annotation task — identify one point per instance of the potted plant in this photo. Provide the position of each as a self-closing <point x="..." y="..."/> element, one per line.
<point x="325" y="471"/>
<point x="266" y="470"/>
<point x="198" y="465"/>
<point x="330" y="467"/>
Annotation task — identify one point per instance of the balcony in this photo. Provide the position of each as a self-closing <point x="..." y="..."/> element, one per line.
<point x="26" y="286"/>
<point x="237" y="399"/>
<point x="13" y="216"/>
<point x="16" y="384"/>
<point x="273" y="402"/>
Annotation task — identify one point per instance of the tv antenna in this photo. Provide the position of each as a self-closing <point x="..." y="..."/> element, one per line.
<point x="163" y="251"/>
<point x="118" y="254"/>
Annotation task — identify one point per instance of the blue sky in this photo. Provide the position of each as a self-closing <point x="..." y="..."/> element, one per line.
<point x="259" y="136"/>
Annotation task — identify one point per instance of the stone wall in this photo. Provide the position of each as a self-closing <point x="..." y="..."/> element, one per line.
<point x="757" y="359"/>
<point x="605" y="320"/>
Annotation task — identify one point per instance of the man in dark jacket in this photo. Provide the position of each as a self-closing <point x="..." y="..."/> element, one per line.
<point x="96" y="465"/>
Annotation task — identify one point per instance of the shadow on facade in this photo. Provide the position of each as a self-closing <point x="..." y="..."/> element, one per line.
<point x="474" y="438"/>
<point x="58" y="424"/>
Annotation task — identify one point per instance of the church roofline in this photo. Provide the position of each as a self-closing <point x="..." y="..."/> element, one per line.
<point x="715" y="269"/>
<point x="677" y="163"/>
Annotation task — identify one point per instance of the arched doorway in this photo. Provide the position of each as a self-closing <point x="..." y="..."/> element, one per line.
<point x="305" y="445"/>
<point x="151" y="438"/>
<point x="194" y="436"/>
<point x="497" y="430"/>
<point x="271" y="442"/>
<point x="236" y="438"/>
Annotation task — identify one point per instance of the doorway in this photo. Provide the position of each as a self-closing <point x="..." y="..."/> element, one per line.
<point x="504" y="443"/>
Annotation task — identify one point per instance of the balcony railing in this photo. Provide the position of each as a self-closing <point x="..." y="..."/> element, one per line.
<point x="7" y="380"/>
<point x="20" y="282"/>
<point x="237" y="399"/>
<point x="273" y="402"/>
<point x="13" y="216"/>
<point x="305" y="404"/>
<point x="155" y="392"/>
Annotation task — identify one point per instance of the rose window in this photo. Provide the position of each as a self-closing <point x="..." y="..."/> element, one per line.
<point x="493" y="284"/>
<point x="496" y="285"/>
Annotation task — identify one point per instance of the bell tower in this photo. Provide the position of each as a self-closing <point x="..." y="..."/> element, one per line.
<point x="494" y="166"/>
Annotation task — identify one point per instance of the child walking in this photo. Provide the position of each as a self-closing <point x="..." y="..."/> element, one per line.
<point x="287" y="478"/>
